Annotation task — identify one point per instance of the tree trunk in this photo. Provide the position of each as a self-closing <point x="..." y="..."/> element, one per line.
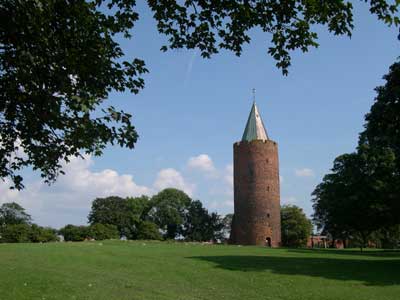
<point x="364" y="238"/>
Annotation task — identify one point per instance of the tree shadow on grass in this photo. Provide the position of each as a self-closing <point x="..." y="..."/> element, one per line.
<point x="351" y="252"/>
<point x="371" y="272"/>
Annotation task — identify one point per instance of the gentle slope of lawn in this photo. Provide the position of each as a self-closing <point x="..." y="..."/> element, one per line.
<point x="155" y="270"/>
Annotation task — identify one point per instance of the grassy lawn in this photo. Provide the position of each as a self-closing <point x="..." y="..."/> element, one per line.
<point x="155" y="270"/>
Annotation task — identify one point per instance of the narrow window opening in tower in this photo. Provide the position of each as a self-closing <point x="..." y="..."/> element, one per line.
<point x="251" y="173"/>
<point x="268" y="215"/>
<point x="267" y="161"/>
<point x="267" y="188"/>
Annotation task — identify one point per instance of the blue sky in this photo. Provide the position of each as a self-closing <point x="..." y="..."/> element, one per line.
<point x="192" y="110"/>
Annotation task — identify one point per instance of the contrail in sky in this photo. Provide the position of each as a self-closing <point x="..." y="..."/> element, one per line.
<point x="190" y="67"/>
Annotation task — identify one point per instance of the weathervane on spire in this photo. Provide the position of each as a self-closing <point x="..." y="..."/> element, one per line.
<point x="254" y="95"/>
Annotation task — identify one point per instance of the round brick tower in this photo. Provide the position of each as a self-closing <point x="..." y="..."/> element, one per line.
<point x="256" y="218"/>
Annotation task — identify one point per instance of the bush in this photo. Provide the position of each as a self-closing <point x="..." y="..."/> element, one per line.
<point x="75" y="233"/>
<point x="15" y="233"/>
<point x="40" y="234"/>
<point x="103" y="231"/>
<point x="24" y="233"/>
<point x="96" y="231"/>
<point x="148" y="231"/>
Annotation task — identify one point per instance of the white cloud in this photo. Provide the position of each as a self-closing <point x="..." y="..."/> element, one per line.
<point x="69" y="199"/>
<point x="172" y="178"/>
<point x="107" y="182"/>
<point x="305" y="172"/>
<point x="202" y="163"/>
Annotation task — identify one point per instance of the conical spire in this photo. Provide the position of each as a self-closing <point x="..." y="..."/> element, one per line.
<point x="255" y="129"/>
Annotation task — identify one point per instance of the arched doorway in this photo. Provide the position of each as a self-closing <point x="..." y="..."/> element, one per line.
<point x="268" y="242"/>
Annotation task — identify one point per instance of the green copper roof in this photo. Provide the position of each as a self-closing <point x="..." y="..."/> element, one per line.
<point x="255" y="129"/>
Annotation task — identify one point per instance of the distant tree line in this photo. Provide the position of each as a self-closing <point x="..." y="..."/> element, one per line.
<point x="95" y="232"/>
<point x="16" y="226"/>
<point x="359" y="201"/>
<point x="170" y="214"/>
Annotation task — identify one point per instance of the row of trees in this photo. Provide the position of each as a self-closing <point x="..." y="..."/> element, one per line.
<point x="16" y="226"/>
<point x="171" y="214"/>
<point x="360" y="199"/>
<point x="95" y="231"/>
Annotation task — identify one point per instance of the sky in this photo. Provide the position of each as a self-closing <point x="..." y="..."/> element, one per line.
<point x="192" y="110"/>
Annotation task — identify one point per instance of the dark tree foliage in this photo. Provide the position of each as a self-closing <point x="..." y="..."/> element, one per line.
<point x="16" y="226"/>
<point x="225" y="24"/>
<point x="59" y="60"/>
<point x="124" y="213"/>
<point x="96" y="231"/>
<point x="12" y="214"/>
<point x="330" y="208"/>
<point x="295" y="226"/>
<point x="389" y="237"/>
<point x="360" y="197"/>
<point x="200" y="225"/>
<point x="24" y="233"/>
<point x="382" y="126"/>
<point x="138" y="208"/>
<point x="215" y="226"/>
<point x="40" y="234"/>
<point x="353" y="198"/>
<point x="15" y="233"/>
<point x="227" y="226"/>
<point x="196" y="221"/>
<point x="382" y="131"/>
<point x="103" y="232"/>
<point x="147" y="230"/>
<point x="168" y="210"/>
<point x="112" y="210"/>
<point x="74" y="233"/>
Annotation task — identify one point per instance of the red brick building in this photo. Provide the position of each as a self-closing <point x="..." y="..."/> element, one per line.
<point x="256" y="186"/>
<point x="323" y="241"/>
<point x="318" y="241"/>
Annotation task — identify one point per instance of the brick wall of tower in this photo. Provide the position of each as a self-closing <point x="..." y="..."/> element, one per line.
<point x="256" y="193"/>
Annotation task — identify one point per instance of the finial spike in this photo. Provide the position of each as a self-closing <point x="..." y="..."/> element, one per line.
<point x="255" y="129"/>
<point x="254" y="95"/>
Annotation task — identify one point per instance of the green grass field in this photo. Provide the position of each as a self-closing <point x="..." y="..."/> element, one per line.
<point x="156" y="270"/>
